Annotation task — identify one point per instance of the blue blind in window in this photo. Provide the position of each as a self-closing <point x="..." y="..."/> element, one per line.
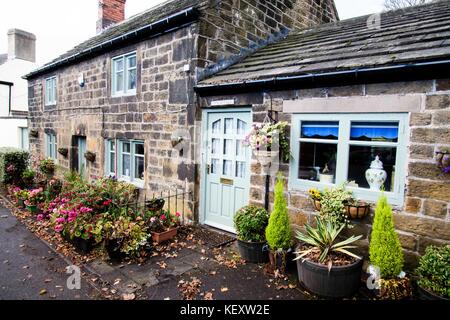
<point x="320" y="129"/>
<point x="383" y="131"/>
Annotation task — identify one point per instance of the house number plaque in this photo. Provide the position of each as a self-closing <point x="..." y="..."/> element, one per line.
<point x="226" y="181"/>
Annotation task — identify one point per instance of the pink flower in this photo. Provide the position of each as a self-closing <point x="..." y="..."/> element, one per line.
<point x="163" y="217"/>
<point x="40" y="217"/>
<point x="152" y="219"/>
<point x="178" y="214"/>
<point x="59" y="228"/>
<point x="60" y="220"/>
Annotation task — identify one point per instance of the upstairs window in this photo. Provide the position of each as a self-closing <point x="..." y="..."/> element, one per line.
<point x="50" y="91"/>
<point x="51" y="146"/>
<point x="331" y="149"/>
<point x="124" y="75"/>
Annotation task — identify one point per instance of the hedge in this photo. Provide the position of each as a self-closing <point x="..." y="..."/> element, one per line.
<point x="13" y="162"/>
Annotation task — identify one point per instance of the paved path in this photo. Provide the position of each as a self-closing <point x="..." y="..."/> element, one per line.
<point x="29" y="270"/>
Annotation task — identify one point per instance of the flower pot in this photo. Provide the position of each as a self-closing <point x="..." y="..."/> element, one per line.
<point x="34" y="209"/>
<point x="253" y="251"/>
<point x="316" y="204"/>
<point x="265" y="158"/>
<point x="90" y="156"/>
<point x="425" y="294"/>
<point x="112" y="247"/>
<point x="83" y="246"/>
<point x="21" y="204"/>
<point x="63" y="151"/>
<point x="160" y="237"/>
<point x="357" y="211"/>
<point x="326" y="178"/>
<point x="339" y="282"/>
<point x="155" y="205"/>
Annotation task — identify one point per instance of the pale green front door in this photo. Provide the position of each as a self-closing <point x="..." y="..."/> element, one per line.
<point x="227" y="167"/>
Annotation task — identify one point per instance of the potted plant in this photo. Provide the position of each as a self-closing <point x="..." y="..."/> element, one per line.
<point x="90" y="156"/>
<point x="434" y="274"/>
<point x="443" y="160"/>
<point x="316" y="197"/>
<point x="35" y="197"/>
<point x="163" y="226"/>
<point x="250" y="223"/>
<point x="28" y="177"/>
<point x="333" y="204"/>
<point x="34" y="133"/>
<point x="155" y="204"/>
<point x="21" y="196"/>
<point x="325" y="266"/>
<point x="47" y="167"/>
<point x="63" y="151"/>
<point x="357" y="209"/>
<point x="386" y="255"/>
<point x="278" y="231"/>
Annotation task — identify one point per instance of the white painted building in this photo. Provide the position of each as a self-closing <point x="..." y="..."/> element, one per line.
<point x="20" y="60"/>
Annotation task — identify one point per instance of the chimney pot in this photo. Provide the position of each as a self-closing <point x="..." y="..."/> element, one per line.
<point x="110" y="12"/>
<point x="21" y="45"/>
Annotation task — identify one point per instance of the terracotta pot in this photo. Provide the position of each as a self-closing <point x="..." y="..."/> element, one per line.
<point x="357" y="211"/>
<point x="316" y="204"/>
<point x="160" y="237"/>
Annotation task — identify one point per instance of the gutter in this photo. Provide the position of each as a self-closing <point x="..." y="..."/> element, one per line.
<point x="402" y="72"/>
<point x="169" y="23"/>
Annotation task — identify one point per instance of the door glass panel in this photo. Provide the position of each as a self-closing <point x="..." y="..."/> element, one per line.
<point x="228" y="126"/>
<point x="314" y="157"/>
<point x="227" y="146"/>
<point x="320" y="130"/>
<point x="241" y="127"/>
<point x="360" y="160"/>
<point x="227" y="164"/>
<point x="215" y="166"/>
<point x="215" y="146"/>
<point x="240" y="149"/>
<point x="240" y="169"/>
<point x="374" y="131"/>
<point x="216" y="127"/>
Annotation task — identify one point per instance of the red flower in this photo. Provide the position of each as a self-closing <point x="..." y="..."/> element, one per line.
<point x="107" y="202"/>
<point x="163" y="217"/>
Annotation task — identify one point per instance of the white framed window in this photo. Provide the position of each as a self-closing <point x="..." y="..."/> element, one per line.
<point x="125" y="159"/>
<point x="124" y="75"/>
<point x="24" y="139"/>
<point x="50" y="91"/>
<point x="346" y="145"/>
<point x="51" y="146"/>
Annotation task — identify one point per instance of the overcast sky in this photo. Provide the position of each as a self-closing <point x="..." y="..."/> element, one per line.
<point x="59" y="25"/>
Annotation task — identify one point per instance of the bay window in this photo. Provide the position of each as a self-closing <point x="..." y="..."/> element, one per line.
<point x="332" y="149"/>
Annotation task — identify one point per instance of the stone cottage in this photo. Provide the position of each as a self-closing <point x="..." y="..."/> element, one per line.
<point x="127" y="94"/>
<point x="351" y="91"/>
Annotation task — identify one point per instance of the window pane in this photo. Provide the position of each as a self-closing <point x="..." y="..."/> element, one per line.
<point x="374" y="131"/>
<point x="215" y="166"/>
<point x="126" y="147"/>
<point x="314" y="158"/>
<point x="241" y="127"/>
<point x="119" y="81"/>
<point x="240" y="169"/>
<point x="227" y="164"/>
<point x="112" y="146"/>
<point x="126" y="165"/>
<point x="228" y="126"/>
<point x="139" y="149"/>
<point x="118" y="65"/>
<point x="112" y="162"/>
<point x="320" y="130"/>
<point x="216" y="126"/>
<point x="131" y="61"/>
<point x="215" y="146"/>
<point x="139" y="168"/>
<point x="131" y="84"/>
<point x="360" y="160"/>
<point x="227" y="146"/>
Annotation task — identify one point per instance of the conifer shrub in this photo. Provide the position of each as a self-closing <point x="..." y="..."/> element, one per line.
<point x="278" y="232"/>
<point x="385" y="250"/>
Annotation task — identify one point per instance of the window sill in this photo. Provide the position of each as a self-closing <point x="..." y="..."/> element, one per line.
<point x="120" y="95"/>
<point x="137" y="184"/>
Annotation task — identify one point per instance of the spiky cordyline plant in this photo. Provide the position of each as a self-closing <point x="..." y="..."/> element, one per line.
<point x="323" y="240"/>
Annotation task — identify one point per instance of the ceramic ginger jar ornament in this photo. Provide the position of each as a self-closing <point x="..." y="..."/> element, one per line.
<point x="375" y="175"/>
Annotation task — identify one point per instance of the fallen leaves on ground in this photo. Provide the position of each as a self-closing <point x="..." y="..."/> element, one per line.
<point x="42" y="292"/>
<point x="208" y="296"/>
<point x="128" y="296"/>
<point x="224" y="289"/>
<point x="189" y="289"/>
<point x="162" y="264"/>
<point x="232" y="261"/>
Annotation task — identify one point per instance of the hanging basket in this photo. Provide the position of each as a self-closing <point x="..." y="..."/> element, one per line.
<point x="34" y="133"/>
<point x="265" y="158"/>
<point x="443" y="159"/>
<point x="63" y="151"/>
<point x="90" y="156"/>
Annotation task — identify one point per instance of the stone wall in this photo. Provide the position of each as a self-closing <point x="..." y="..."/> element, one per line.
<point x="160" y="107"/>
<point x="232" y="27"/>
<point x="424" y="218"/>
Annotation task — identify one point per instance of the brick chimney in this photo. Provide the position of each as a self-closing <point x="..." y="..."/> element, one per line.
<point x="110" y="12"/>
<point x="21" y="45"/>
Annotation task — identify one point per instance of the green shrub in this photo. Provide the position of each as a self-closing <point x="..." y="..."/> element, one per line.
<point x="47" y="166"/>
<point x="13" y="162"/>
<point x="385" y="249"/>
<point x="434" y="270"/>
<point x="332" y="202"/>
<point x="250" y="223"/>
<point x="278" y="232"/>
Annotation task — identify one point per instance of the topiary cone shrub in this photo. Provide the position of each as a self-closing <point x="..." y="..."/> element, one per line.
<point x="278" y="231"/>
<point x="385" y="250"/>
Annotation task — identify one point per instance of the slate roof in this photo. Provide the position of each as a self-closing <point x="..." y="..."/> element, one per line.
<point x="133" y="23"/>
<point x="414" y="34"/>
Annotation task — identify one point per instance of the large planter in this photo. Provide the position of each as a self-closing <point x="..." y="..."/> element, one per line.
<point x="339" y="282"/>
<point x="160" y="237"/>
<point x="425" y="294"/>
<point x="81" y="245"/>
<point x="253" y="252"/>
